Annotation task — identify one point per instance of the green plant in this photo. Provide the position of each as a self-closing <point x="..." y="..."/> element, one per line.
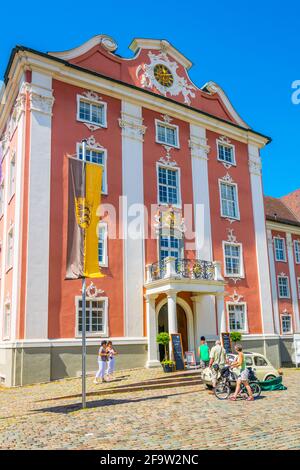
<point x="235" y="336"/>
<point x="164" y="339"/>
<point x="167" y="363"/>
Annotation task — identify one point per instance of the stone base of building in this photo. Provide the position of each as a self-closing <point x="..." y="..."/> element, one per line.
<point x="24" y="364"/>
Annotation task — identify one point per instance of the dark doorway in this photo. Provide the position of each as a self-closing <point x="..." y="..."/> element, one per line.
<point x="181" y="323"/>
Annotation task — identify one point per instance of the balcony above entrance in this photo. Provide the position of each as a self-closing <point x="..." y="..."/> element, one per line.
<point x="191" y="275"/>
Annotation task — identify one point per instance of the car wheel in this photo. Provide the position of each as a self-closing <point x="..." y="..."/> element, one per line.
<point x="270" y="377"/>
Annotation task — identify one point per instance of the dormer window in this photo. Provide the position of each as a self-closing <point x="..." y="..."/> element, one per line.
<point x="91" y="111"/>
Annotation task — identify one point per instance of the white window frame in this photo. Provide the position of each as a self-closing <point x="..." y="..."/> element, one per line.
<point x="12" y="183"/>
<point x="91" y="101"/>
<point x="281" y="323"/>
<point x="297" y="251"/>
<point x="104" y="334"/>
<point x="173" y="168"/>
<point x="277" y="237"/>
<point x="104" y="225"/>
<point x="288" y="287"/>
<point x="9" y="263"/>
<point x="224" y="144"/>
<point x="221" y="181"/>
<point x="6" y="324"/>
<point x="244" y="304"/>
<point x="242" y="271"/>
<point x="104" y="151"/>
<point x="170" y="126"/>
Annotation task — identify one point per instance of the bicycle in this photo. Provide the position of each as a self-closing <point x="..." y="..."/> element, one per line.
<point x="223" y="388"/>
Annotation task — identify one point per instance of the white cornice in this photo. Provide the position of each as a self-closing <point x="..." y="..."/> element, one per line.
<point x="161" y="45"/>
<point x="80" y="78"/>
<point x="273" y="225"/>
<point x="101" y="39"/>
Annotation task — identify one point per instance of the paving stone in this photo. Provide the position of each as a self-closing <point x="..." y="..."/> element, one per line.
<point x="147" y="409"/>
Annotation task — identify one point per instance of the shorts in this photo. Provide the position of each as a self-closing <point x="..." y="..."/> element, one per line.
<point x="244" y="375"/>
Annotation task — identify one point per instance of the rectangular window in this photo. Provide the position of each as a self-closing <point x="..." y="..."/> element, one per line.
<point x="166" y="134"/>
<point x="237" y="317"/>
<point x="286" y="324"/>
<point x="297" y="251"/>
<point x="229" y="201"/>
<point x="7" y="321"/>
<point x="10" y="247"/>
<point x="226" y="153"/>
<point x="283" y="287"/>
<point x="91" y="112"/>
<point x="233" y="261"/>
<point x="2" y="198"/>
<point x="102" y="245"/>
<point x="96" y="316"/>
<point x="279" y="245"/>
<point x="169" y="246"/>
<point x="12" y="172"/>
<point x="100" y="158"/>
<point x="168" y="190"/>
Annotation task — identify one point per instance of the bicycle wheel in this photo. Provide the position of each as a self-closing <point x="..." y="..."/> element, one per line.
<point x="255" y="389"/>
<point x="222" y="391"/>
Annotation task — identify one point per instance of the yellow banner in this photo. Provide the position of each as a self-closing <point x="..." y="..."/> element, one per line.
<point x="93" y="184"/>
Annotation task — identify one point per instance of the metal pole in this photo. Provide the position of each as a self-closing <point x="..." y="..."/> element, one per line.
<point x="83" y="374"/>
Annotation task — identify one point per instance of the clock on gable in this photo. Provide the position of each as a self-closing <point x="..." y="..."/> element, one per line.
<point x="162" y="74"/>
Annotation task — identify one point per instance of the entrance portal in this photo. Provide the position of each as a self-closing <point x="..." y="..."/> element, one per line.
<point x="181" y="326"/>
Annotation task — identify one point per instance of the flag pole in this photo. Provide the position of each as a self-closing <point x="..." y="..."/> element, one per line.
<point x="83" y="373"/>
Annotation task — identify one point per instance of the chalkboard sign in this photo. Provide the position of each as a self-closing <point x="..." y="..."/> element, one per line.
<point x="226" y="341"/>
<point x="177" y="351"/>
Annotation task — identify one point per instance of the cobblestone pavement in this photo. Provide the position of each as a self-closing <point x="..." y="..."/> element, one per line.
<point x="147" y="409"/>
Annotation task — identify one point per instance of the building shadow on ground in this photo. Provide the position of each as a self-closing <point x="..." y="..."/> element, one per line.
<point x="180" y="380"/>
<point x="71" y="408"/>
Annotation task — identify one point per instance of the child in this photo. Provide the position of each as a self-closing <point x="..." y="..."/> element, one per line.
<point x="111" y="359"/>
<point x="102" y="360"/>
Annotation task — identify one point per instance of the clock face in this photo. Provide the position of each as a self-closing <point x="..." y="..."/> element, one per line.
<point x="163" y="75"/>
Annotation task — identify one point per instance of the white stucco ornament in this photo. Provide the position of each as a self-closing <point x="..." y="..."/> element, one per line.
<point x="146" y="76"/>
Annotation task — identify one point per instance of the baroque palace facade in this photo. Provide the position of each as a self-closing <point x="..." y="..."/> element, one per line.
<point x="163" y="142"/>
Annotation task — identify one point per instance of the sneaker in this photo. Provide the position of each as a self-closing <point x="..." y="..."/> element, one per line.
<point x="95" y="381"/>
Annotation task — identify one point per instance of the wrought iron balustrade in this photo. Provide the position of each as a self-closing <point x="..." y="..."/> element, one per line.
<point x="184" y="268"/>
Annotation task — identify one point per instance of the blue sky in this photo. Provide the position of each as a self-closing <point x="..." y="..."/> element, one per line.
<point x="250" y="48"/>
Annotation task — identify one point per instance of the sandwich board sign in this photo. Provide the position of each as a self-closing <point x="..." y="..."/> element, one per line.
<point x="226" y="342"/>
<point x="177" y="351"/>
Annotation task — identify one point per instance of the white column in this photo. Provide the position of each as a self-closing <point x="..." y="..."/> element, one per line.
<point x="273" y="282"/>
<point x="266" y="306"/>
<point x="172" y="312"/>
<point x="20" y="117"/>
<point x="133" y="194"/>
<point x="205" y="318"/>
<point x="199" y="150"/>
<point x="290" y="248"/>
<point x="37" y="272"/>
<point x="222" y="327"/>
<point x="152" y="360"/>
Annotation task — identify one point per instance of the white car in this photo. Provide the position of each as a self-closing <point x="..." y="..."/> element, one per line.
<point x="261" y="366"/>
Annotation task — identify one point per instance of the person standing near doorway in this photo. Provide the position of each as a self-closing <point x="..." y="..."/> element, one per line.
<point x="203" y="353"/>
<point x="217" y="361"/>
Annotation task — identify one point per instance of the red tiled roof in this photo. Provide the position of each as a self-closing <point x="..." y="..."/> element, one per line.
<point x="277" y="210"/>
<point x="292" y="200"/>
